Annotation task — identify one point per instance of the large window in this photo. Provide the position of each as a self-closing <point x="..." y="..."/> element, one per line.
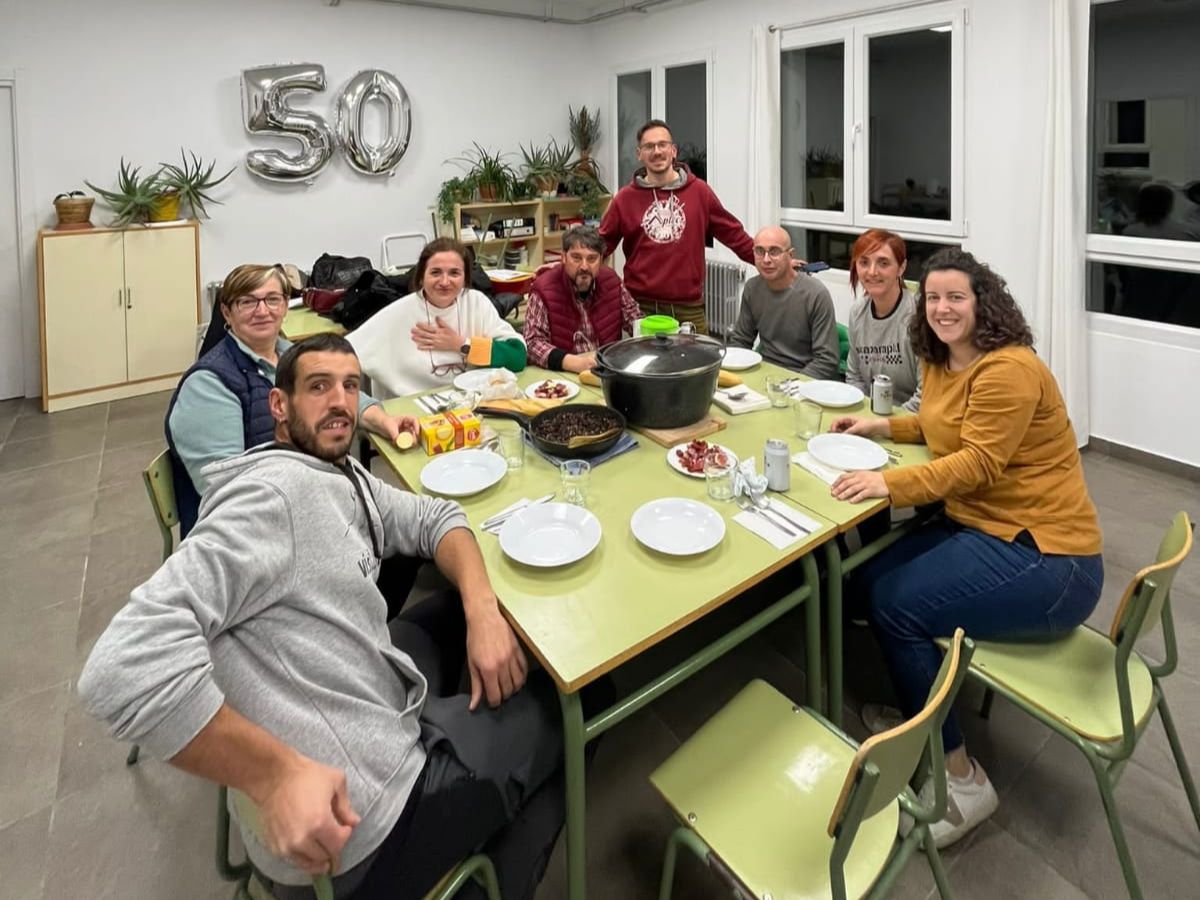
<point x="872" y="123"/>
<point x="1143" y="244"/>
<point x="833" y="247"/>
<point x="677" y="92"/>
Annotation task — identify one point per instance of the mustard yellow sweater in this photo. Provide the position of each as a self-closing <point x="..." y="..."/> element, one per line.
<point x="1005" y="454"/>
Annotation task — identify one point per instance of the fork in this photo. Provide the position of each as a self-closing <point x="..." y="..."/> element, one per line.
<point x="750" y="506"/>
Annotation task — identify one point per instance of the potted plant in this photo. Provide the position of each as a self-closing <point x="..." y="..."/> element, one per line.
<point x="454" y="191"/>
<point x="135" y="197"/>
<point x="591" y="197"/>
<point x="74" y="211"/>
<point x="493" y="176"/>
<point x="585" y="132"/>
<point x="188" y="182"/>
<point x="546" y="167"/>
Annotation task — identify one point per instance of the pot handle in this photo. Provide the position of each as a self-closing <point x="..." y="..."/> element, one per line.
<point x="600" y="370"/>
<point x="518" y="417"/>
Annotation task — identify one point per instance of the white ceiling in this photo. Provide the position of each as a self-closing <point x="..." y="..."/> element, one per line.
<point x="574" y="12"/>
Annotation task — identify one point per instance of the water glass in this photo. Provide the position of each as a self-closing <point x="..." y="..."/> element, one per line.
<point x="808" y="418"/>
<point x="576" y="474"/>
<point x="718" y="476"/>
<point x="777" y="391"/>
<point x="512" y="447"/>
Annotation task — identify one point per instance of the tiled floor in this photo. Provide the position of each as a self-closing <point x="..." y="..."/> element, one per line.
<point x="76" y="535"/>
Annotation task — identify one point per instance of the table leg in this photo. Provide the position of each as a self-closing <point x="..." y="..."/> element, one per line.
<point x="833" y="588"/>
<point x="812" y="631"/>
<point x="573" y="766"/>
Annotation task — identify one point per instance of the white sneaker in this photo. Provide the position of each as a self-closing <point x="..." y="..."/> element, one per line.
<point x="969" y="801"/>
<point x="879" y="718"/>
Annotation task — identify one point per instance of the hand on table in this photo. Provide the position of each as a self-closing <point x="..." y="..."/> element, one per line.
<point x="494" y="657"/>
<point x="307" y="817"/>
<point x="436" y="335"/>
<point x="858" y="486"/>
<point x="863" y="427"/>
<point x="579" y="362"/>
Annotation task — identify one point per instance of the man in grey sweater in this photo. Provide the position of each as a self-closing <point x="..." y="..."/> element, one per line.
<point x="259" y="657"/>
<point x="789" y="312"/>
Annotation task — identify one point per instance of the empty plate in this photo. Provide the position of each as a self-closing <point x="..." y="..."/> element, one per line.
<point x="461" y="473"/>
<point x="836" y="394"/>
<point x="677" y="526"/>
<point x="550" y="534"/>
<point x="738" y="358"/>
<point x="847" y="451"/>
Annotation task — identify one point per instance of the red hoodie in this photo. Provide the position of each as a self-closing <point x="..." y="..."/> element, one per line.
<point x="662" y="231"/>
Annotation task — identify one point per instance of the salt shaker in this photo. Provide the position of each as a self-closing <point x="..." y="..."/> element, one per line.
<point x="776" y="459"/>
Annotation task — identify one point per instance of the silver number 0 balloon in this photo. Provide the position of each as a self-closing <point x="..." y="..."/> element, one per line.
<point x="368" y="85"/>
<point x="264" y="106"/>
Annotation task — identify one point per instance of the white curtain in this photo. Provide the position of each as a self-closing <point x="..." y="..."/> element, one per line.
<point x="1059" y="321"/>
<point x="763" y="134"/>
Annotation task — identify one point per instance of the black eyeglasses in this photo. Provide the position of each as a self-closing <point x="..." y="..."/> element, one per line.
<point x="446" y="369"/>
<point x="249" y="303"/>
<point x="657" y="145"/>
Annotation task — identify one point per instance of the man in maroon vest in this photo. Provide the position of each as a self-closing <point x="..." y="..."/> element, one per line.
<point x="577" y="307"/>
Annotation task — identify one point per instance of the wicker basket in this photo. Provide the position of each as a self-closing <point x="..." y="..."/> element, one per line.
<point x="73" y="212"/>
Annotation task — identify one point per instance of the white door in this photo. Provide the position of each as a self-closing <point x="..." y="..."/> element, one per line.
<point x="11" y="332"/>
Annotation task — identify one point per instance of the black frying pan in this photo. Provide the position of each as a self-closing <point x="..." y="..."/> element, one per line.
<point x="536" y="428"/>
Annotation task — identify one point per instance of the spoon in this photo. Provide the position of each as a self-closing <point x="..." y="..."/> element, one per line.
<point x="750" y="505"/>
<point x="582" y="440"/>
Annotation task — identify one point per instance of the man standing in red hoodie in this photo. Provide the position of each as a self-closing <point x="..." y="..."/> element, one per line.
<point x="661" y="219"/>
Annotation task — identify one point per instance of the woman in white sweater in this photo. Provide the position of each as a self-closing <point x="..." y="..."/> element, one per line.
<point x="423" y="340"/>
<point x="879" y="342"/>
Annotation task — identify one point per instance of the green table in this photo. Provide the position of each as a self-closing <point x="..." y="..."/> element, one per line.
<point x="583" y="620"/>
<point x="301" y="322"/>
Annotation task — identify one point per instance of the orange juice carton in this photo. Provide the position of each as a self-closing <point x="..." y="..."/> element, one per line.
<point x="449" y="430"/>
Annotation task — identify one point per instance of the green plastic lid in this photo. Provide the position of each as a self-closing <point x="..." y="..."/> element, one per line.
<point x="660" y="325"/>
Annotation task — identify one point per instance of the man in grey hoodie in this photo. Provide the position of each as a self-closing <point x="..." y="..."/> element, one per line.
<point x="259" y="657"/>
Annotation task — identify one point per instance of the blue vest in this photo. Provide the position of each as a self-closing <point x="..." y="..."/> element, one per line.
<point x="239" y="373"/>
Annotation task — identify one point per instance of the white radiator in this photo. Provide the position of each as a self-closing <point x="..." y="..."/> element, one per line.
<point x="722" y="295"/>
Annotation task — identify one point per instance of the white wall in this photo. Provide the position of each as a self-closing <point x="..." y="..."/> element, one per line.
<point x="148" y="76"/>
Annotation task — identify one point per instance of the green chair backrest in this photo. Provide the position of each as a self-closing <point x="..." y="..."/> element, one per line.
<point x="248" y="815"/>
<point x="1141" y="608"/>
<point x="161" y="489"/>
<point x="892" y="757"/>
<point x="843" y="346"/>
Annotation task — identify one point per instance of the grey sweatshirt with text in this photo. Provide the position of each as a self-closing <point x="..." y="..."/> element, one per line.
<point x="270" y="605"/>
<point x="881" y="346"/>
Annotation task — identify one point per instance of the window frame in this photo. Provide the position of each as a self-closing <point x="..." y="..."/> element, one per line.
<point x="855" y="33"/>
<point x="657" y="67"/>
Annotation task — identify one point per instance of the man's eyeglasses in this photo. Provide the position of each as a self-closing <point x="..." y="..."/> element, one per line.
<point x="657" y="145"/>
<point x="249" y="303"/>
<point x="769" y="252"/>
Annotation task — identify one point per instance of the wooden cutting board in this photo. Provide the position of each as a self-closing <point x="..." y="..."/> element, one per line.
<point x="669" y="437"/>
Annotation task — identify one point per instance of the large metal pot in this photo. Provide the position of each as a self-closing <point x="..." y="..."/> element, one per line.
<point x="660" y="381"/>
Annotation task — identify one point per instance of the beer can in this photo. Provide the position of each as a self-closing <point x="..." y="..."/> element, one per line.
<point x="776" y="459"/>
<point x="881" y="395"/>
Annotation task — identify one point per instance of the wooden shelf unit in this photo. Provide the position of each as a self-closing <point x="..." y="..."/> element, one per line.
<point x="538" y="208"/>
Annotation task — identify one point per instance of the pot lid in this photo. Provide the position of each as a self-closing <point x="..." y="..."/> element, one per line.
<point x="662" y="354"/>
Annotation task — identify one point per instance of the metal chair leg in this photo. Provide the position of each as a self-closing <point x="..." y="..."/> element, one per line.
<point x="935" y="866"/>
<point x="667" y="882"/>
<point x="1185" y="773"/>
<point x="985" y="708"/>
<point x="132" y="758"/>
<point x="1114" y="824"/>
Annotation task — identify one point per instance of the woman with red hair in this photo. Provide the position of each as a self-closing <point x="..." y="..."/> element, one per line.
<point x="879" y="342"/>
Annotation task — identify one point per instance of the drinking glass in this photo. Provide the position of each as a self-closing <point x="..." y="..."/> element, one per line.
<point x="576" y="474"/>
<point x="718" y="477"/>
<point x="512" y="447"/>
<point x="808" y="418"/>
<point x="777" y="391"/>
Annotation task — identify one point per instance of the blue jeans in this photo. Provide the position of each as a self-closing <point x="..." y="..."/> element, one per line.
<point x="946" y="576"/>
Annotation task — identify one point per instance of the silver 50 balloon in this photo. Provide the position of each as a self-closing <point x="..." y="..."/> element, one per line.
<point x="265" y="91"/>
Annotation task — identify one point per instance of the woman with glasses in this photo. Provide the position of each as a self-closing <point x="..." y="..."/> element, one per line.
<point x="879" y="341"/>
<point x="219" y="408"/>
<point x="423" y="340"/>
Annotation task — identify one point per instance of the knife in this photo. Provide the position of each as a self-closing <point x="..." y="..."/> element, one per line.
<point x="782" y="510"/>
<point x="501" y="518"/>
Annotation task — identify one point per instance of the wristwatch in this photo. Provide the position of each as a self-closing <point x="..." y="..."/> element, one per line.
<point x="465" y="349"/>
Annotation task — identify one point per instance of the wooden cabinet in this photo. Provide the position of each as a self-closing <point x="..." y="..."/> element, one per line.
<point x="545" y="213"/>
<point x="119" y="311"/>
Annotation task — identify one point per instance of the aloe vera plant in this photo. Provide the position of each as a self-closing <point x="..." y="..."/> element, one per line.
<point x="192" y="180"/>
<point x="135" y="196"/>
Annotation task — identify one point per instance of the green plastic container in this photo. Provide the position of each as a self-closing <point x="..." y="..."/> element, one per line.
<point x="660" y="325"/>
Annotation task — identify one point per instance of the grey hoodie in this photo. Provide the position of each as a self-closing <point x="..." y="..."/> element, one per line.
<point x="271" y="606"/>
<point x="881" y="346"/>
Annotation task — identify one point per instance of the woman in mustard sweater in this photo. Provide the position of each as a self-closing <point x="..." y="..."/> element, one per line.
<point x="1016" y="555"/>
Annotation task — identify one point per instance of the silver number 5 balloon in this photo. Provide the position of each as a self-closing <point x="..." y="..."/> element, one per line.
<point x="264" y="105"/>
<point x="368" y="85"/>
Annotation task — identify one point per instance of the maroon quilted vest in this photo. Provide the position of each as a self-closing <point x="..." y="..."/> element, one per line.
<point x="604" y="307"/>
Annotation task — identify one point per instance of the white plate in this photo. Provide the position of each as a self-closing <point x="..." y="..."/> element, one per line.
<point x="847" y="451"/>
<point x="475" y="379"/>
<point x="572" y="389"/>
<point x="677" y="526"/>
<point x="461" y="473"/>
<point x="674" y="463"/>
<point x="738" y="358"/>
<point x="550" y="534"/>
<point x="836" y="394"/>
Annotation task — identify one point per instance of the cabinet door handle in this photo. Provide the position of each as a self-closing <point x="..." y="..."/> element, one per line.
<point x="128" y="298"/>
<point x="120" y="297"/>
